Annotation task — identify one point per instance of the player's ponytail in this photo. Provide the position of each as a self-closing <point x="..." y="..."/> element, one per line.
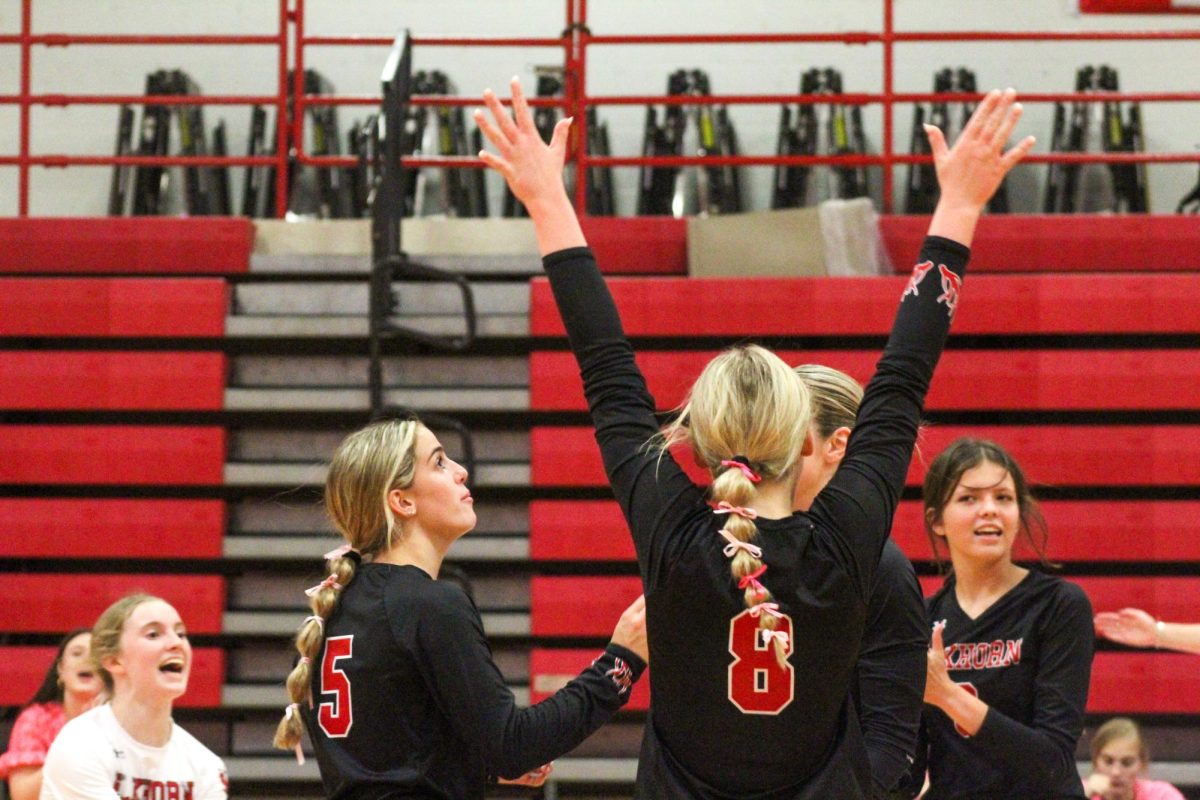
<point x="746" y="419"/>
<point x="367" y="465"/>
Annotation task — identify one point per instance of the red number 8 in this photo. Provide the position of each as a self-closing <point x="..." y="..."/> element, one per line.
<point x="336" y="718"/>
<point x="757" y="684"/>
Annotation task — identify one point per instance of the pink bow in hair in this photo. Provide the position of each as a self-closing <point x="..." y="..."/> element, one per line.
<point x="768" y="635"/>
<point x="751" y="581"/>
<point x="736" y="544"/>
<point x="745" y="468"/>
<point x="725" y="507"/>
<point x="339" y="552"/>
<point x="329" y="582"/>
<point x="769" y="608"/>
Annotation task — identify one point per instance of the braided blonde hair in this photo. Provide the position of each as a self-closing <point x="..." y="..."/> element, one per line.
<point x="366" y="466"/>
<point x="747" y="403"/>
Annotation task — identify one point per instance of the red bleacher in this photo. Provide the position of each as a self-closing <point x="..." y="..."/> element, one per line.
<point x="1062" y="455"/>
<point x="113" y="307"/>
<point x="81" y="528"/>
<point x="112" y="454"/>
<point x="61" y="379"/>
<point x="1080" y="530"/>
<point x="23" y="668"/>
<point x="1063" y="380"/>
<point x="151" y="245"/>
<point x="992" y="304"/>
<point x="58" y="602"/>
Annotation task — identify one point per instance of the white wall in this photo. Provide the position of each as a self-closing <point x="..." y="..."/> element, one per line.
<point x="1155" y="66"/>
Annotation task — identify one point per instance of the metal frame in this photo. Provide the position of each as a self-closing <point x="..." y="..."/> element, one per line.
<point x="575" y="41"/>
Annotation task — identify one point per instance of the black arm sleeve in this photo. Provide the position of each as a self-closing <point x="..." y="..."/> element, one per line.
<point x="471" y="692"/>
<point x="860" y="500"/>
<point x="1044" y="751"/>
<point x="656" y="496"/>
<point x="891" y="670"/>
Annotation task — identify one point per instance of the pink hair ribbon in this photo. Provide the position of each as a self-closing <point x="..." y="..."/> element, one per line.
<point x="330" y="582"/>
<point x="725" y="507"/>
<point x="315" y="619"/>
<point x="768" y="635"/>
<point x="736" y="544"/>
<point x="751" y="581"/>
<point x="770" y="608"/>
<point x="733" y="463"/>
<point x="292" y="711"/>
<point x="339" y="552"/>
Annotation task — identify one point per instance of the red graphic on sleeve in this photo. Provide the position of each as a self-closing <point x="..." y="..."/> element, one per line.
<point x="918" y="275"/>
<point x="621" y="675"/>
<point x="951" y="284"/>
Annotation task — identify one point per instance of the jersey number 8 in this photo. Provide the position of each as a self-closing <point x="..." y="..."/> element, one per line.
<point x="757" y="683"/>
<point x="336" y="718"/>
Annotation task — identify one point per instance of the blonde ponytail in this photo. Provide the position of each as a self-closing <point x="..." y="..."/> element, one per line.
<point x="366" y="466"/>
<point x="745" y="419"/>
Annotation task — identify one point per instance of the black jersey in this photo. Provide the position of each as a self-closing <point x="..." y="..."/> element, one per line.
<point x="407" y="702"/>
<point x="726" y="720"/>
<point x="891" y="670"/>
<point x="1029" y="657"/>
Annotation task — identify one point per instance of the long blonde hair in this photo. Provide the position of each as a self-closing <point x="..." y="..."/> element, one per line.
<point x="747" y="407"/>
<point x="366" y="466"/>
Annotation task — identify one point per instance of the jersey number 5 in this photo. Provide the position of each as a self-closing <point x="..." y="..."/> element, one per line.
<point x="757" y="684"/>
<point x="336" y="718"/>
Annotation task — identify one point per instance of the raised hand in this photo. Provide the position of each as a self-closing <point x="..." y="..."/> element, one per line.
<point x="970" y="172"/>
<point x="532" y="168"/>
<point x="631" y="629"/>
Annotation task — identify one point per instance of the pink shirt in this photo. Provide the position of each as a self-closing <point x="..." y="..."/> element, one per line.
<point x="1152" y="790"/>
<point x="31" y="736"/>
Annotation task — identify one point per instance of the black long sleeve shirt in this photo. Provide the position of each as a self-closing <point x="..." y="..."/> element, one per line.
<point x="725" y="720"/>
<point x="407" y="701"/>
<point x="1029" y="657"/>
<point x="891" y="670"/>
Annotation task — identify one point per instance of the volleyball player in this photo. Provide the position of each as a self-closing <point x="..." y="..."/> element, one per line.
<point x="755" y="614"/>
<point x="395" y="681"/>
<point x="1012" y="647"/>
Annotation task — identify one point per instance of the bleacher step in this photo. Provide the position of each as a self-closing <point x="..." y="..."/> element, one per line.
<point x="264" y="474"/>
<point x="284" y="623"/>
<point x="429" y="399"/>
<point x="474" y="547"/>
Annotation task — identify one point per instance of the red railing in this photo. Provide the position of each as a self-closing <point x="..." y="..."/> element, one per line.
<point x="575" y="41"/>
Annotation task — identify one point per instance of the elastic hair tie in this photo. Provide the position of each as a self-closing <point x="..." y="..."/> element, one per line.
<point x="345" y="551"/>
<point x="768" y="635"/>
<point x="330" y="582"/>
<point x="751" y="581"/>
<point x="293" y="710"/>
<point x="726" y="507"/>
<point x="314" y="618"/>
<point x="736" y="544"/>
<point x="304" y="660"/>
<point x="771" y="609"/>
<point x="742" y="463"/>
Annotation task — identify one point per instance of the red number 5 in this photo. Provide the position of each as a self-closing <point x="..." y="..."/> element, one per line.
<point x="757" y="684"/>
<point x="336" y="718"/>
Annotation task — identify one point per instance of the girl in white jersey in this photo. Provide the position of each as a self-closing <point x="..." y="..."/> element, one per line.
<point x="130" y="747"/>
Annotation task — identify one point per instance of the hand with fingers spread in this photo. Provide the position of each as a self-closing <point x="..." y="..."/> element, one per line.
<point x="970" y="172"/>
<point x="532" y="168"/>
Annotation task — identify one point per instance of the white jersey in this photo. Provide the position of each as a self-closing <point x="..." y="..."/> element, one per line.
<point x="94" y="758"/>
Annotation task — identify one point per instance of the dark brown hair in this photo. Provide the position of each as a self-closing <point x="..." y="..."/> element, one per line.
<point x="947" y="470"/>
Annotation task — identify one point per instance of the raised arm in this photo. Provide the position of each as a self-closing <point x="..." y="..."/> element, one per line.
<point x="861" y="498"/>
<point x="622" y="410"/>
